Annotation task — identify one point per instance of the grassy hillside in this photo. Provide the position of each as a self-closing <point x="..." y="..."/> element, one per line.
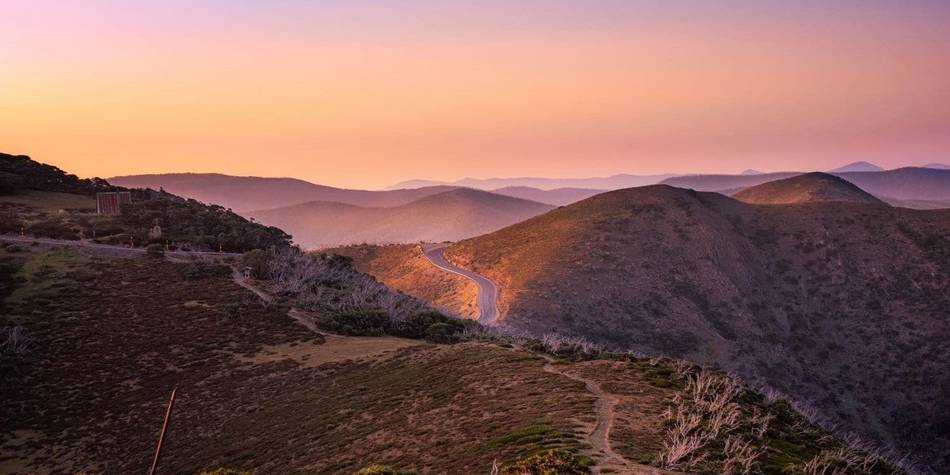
<point x="404" y="267"/>
<point x="450" y="215"/>
<point x="806" y="188"/>
<point x="842" y="305"/>
<point x="259" y="391"/>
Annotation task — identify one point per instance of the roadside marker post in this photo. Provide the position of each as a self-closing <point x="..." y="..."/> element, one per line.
<point x="161" y="436"/>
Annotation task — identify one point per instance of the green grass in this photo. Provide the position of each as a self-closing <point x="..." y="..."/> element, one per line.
<point x="45" y="275"/>
<point x="51" y="200"/>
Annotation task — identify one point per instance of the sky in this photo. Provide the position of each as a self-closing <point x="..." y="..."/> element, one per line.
<point x="365" y="93"/>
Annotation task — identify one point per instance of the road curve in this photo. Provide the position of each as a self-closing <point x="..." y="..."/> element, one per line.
<point x="487" y="290"/>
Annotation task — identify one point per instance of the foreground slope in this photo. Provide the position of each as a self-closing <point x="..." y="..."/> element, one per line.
<point x="247" y="193"/>
<point x="807" y="188"/>
<point x="842" y="305"/>
<point x="451" y="215"/>
<point x="260" y="389"/>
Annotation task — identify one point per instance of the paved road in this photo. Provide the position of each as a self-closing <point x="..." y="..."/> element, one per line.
<point x="103" y="247"/>
<point x="487" y="290"/>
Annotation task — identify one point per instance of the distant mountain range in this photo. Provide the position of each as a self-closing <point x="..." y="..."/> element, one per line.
<point x="318" y="215"/>
<point x="556" y="197"/>
<point x="600" y="183"/>
<point x="247" y="193"/>
<point x="904" y="185"/>
<point x="447" y="216"/>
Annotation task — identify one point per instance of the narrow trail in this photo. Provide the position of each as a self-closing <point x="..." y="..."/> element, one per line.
<point x="239" y="280"/>
<point x="599" y="436"/>
<point x="298" y="315"/>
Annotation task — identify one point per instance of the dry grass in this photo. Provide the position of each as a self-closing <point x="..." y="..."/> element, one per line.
<point x="403" y="267"/>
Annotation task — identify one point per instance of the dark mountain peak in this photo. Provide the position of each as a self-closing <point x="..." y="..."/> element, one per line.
<point x="861" y="166"/>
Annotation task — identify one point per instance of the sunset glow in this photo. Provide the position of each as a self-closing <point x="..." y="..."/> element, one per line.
<point x="365" y="94"/>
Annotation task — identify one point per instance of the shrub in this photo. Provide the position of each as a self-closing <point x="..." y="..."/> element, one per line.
<point x="15" y="342"/>
<point x="226" y="471"/>
<point x="53" y="228"/>
<point x="155" y="250"/>
<point x="201" y="269"/>
<point x="358" y="322"/>
<point x="443" y="333"/>
<point x="259" y="262"/>
<point x="377" y="469"/>
<point x="421" y="324"/>
<point x="551" y="462"/>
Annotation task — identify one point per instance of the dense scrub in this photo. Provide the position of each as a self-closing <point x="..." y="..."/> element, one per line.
<point x="353" y="303"/>
<point x="19" y="172"/>
<point x="197" y="225"/>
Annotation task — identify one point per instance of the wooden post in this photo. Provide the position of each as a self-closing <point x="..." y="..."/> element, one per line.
<point x="161" y="436"/>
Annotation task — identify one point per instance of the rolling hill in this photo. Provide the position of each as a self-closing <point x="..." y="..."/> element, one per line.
<point x="451" y="215"/>
<point x="842" y="305"/>
<point x="555" y="197"/>
<point x="807" y="188"/>
<point x="725" y="183"/>
<point x="245" y="193"/>
<point x="905" y="185"/>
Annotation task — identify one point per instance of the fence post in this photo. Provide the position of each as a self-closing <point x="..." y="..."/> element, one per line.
<point x="161" y="436"/>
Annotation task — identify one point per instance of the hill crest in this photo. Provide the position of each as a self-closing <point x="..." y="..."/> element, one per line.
<point x="806" y="188"/>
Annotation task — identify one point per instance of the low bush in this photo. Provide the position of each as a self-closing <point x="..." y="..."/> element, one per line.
<point x="259" y="262"/>
<point x="358" y="322"/>
<point x="551" y="462"/>
<point x="201" y="269"/>
<point x="226" y="471"/>
<point x="381" y="470"/>
<point x="430" y="325"/>
<point x="54" y="229"/>
<point x="155" y="251"/>
<point x="15" y="342"/>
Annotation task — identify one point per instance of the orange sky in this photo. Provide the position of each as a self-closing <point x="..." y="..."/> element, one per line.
<point x="365" y="94"/>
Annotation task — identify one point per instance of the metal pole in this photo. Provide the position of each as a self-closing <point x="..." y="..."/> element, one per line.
<point x="161" y="436"/>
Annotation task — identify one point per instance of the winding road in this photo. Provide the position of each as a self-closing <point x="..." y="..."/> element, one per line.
<point x="487" y="290"/>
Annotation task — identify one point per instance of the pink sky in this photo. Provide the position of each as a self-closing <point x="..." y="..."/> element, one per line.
<point x="364" y="94"/>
